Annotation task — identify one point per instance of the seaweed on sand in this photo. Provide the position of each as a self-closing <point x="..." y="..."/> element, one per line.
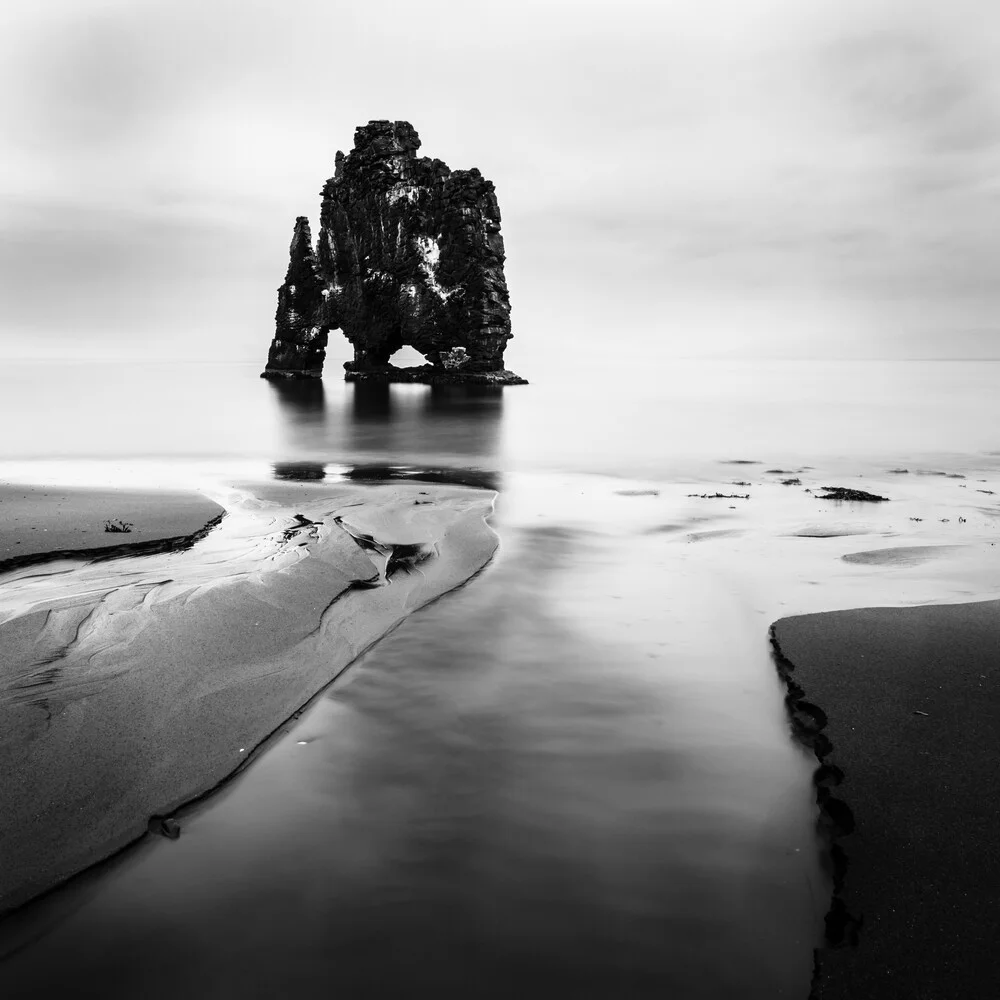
<point x="842" y="493"/>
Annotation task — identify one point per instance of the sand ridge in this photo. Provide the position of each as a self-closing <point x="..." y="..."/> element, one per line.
<point x="129" y="687"/>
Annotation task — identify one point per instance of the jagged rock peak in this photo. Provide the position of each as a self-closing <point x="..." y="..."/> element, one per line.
<point x="382" y="139"/>
<point x="408" y="252"/>
<point x="301" y="256"/>
<point x="299" y="346"/>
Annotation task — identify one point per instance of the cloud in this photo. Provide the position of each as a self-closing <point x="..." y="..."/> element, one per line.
<point x="764" y="151"/>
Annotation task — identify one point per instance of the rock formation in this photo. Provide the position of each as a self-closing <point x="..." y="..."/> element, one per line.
<point x="299" y="346"/>
<point x="409" y="253"/>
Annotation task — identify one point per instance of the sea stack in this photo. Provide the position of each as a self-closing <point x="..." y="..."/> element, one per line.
<point x="409" y="252"/>
<point x="299" y="346"/>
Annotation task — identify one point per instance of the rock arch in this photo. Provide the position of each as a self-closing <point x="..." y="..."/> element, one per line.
<point x="408" y="252"/>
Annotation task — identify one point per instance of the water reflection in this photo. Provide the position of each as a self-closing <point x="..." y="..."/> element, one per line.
<point x="302" y="401"/>
<point x="300" y="472"/>
<point x="451" y="476"/>
<point x="371" y="401"/>
<point x="479" y="402"/>
<point x="399" y="422"/>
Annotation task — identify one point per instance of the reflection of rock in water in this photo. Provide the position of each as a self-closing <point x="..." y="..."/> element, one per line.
<point x="478" y="478"/>
<point x="407" y="424"/>
<point x="463" y="419"/>
<point x="371" y="401"/>
<point x="300" y="472"/>
<point x="305" y="419"/>
<point x="479" y="401"/>
<point x="411" y="423"/>
<point x="302" y="401"/>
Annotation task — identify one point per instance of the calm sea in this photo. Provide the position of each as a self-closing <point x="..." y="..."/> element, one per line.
<point x="654" y="417"/>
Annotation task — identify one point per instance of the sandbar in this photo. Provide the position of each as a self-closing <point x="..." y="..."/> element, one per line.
<point x="131" y="686"/>
<point x="41" y="523"/>
<point x="909" y="706"/>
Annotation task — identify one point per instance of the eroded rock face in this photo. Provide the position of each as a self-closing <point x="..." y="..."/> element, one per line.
<point x="409" y="252"/>
<point x="299" y="346"/>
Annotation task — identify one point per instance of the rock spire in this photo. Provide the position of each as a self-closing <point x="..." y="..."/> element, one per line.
<point x="299" y="345"/>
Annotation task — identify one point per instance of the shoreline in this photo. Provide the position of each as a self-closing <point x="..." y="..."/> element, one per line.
<point x="46" y="523"/>
<point x="251" y="637"/>
<point x="903" y="710"/>
<point x="156" y="546"/>
<point x="13" y="937"/>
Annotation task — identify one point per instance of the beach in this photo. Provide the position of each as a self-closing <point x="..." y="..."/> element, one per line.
<point x="910" y="703"/>
<point x="131" y="686"/>
<point x="523" y="759"/>
<point x="42" y="523"/>
<point x="439" y="689"/>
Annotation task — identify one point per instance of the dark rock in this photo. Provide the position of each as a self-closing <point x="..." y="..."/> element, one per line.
<point x="165" y="826"/>
<point x="301" y="472"/>
<point x="409" y="252"/>
<point x="842" y="493"/>
<point x="431" y="374"/>
<point x="720" y="496"/>
<point x="299" y="346"/>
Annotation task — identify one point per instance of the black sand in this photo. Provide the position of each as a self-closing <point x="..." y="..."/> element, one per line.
<point x="42" y="522"/>
<point x="912" y="698"/>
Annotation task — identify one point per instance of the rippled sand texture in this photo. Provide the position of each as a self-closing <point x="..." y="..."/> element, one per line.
<point x="132" y="686"/>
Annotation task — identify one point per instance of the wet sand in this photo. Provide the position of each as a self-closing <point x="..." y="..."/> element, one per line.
<point x="780" y="552"/>
<point x="573" y="773"/>
<point x="911" y="699"/>
<point x="39" y="523"/>
<point x="131" y="686"/>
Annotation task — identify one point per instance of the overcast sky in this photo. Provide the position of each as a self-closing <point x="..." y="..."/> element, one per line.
<point x="756" y="177"/>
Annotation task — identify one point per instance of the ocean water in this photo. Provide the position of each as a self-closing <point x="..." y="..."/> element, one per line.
<point x="658" y="417"/>
<point x="573" y="775"/>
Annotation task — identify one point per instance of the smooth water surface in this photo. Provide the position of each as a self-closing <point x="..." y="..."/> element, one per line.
<point x="651" y="418"/>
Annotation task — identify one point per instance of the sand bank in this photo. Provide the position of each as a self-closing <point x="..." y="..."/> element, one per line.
<point x="41" y="523"/>
<point x="909" y="698"/>
<point x="131" y="686"/>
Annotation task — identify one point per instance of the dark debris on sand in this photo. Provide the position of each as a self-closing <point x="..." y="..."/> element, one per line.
<point x="842" y="493"/>
<point x="720" y="496"/>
